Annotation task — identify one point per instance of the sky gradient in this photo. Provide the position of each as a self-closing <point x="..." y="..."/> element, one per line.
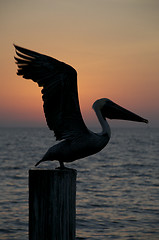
<point x="113" y="45"/>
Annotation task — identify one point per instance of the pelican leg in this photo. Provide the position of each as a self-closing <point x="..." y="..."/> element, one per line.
<point x="62" y="166"/>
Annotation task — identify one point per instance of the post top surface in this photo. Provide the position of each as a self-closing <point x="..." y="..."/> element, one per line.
<point x="53" y="169"/>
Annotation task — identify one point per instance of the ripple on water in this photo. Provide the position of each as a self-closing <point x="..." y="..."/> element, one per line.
<point x="117" y="189"/>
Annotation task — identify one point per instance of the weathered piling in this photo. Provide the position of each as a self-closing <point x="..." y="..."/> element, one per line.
<point x="52" y="204"/>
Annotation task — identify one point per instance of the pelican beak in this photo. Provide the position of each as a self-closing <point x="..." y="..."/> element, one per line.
<point x="112" y="110"/>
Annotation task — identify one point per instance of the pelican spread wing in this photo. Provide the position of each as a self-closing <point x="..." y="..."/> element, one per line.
<point x="59" y="93"/>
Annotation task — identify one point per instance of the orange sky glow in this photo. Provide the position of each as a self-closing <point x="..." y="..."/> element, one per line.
<point x="113" y="45"/>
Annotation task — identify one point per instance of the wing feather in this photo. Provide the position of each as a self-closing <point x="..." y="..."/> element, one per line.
<point x="59" y="93"/>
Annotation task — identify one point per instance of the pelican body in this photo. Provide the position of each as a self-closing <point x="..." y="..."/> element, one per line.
<point x="62" y="110"/>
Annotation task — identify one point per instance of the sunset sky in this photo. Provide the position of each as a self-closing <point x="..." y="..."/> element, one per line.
<point x="113" y="45"/>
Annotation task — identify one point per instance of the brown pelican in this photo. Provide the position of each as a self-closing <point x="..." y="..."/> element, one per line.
<point x="62" y="110"/>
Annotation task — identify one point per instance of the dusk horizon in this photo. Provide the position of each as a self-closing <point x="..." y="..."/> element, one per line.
<point x="113" y="46"/>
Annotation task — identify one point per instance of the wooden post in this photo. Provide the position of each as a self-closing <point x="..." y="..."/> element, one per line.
<point x="52" y="204"/>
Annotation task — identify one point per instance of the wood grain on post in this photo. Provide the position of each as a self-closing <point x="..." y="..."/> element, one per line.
<point x="52" y="204"/>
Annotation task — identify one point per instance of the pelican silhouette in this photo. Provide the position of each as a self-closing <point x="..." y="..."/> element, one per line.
<point x="62" y="110"/>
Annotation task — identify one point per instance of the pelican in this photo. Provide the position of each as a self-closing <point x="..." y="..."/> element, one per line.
<point x="62" y="110"/>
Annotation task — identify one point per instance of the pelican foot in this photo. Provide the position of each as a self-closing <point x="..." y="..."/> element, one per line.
<point x="63" y="168"/>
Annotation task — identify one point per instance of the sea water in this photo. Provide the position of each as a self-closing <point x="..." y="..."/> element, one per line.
<point x="117" y="189"/>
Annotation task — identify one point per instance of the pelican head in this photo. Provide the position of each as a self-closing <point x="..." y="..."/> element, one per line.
<point x="111" y="110"/>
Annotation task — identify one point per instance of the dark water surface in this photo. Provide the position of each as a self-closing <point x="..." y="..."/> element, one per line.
<point x="117" y="189"/>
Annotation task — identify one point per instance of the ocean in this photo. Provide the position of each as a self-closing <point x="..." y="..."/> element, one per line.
<point x="117" y="189"/>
